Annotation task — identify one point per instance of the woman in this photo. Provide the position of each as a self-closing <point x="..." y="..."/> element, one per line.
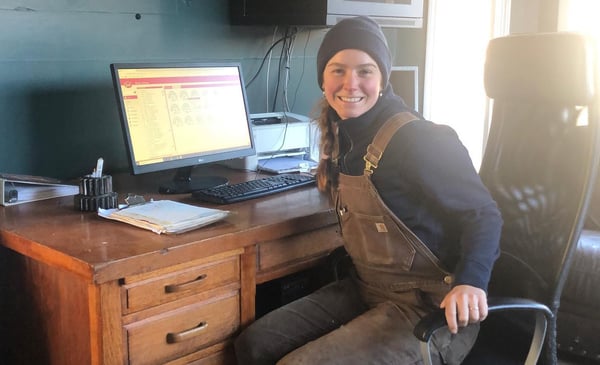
<point x="420" y="227"/>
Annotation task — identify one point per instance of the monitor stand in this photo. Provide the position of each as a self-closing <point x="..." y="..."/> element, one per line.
<point x="183" y="182"/>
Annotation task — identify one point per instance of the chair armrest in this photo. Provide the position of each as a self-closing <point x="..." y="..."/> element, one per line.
<point x="436" y="320"/>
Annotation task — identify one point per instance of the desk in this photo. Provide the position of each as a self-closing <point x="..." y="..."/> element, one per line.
<point x="79" y="289"/>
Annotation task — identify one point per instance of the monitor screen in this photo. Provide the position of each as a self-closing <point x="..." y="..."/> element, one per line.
<point x="182" y="115"/>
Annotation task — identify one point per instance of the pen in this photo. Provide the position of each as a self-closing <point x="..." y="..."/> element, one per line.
<point x="99" y="166"/>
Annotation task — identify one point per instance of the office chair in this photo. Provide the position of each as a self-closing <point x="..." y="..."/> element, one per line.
<point x="539" y="164"/>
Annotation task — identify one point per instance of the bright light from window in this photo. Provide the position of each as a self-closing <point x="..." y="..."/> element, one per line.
<point x="456" y="47"/>
<point x="582" y="16"/>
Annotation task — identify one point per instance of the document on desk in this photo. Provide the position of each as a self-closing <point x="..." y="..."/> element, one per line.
<point x="165" y="216"/>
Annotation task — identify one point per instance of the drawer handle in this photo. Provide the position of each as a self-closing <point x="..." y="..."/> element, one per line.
<point x="174" y="288"/>
<point x="187" y="334"/>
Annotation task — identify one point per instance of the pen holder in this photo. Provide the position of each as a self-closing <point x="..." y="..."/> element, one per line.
<point x="94" y="193"/>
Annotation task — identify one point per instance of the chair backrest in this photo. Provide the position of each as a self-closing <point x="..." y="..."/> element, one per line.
<point x="541" y="157"/>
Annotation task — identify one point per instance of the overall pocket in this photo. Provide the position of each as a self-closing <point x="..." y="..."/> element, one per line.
<point x="376" y="240"/>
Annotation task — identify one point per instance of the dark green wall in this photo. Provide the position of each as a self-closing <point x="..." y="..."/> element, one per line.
<point x="57" y="107"/>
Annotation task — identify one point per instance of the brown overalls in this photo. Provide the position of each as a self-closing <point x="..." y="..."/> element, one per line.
<point x="388" y="257"/>
<point x="399" y="278"/>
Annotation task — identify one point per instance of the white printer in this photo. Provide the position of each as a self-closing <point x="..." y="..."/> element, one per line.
<point x="284" y="142"/>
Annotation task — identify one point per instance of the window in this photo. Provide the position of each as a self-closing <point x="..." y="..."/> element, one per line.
<point x="458" y="32"/>
<point x="580" y="16"/>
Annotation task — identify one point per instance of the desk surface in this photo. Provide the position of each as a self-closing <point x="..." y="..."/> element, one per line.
<point x="103" y="250"/>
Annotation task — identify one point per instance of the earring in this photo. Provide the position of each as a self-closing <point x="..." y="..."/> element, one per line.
<point x="380" y="93"/>
<point x="323" y="93"/>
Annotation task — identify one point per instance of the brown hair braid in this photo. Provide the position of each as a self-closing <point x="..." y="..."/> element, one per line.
<point x="326" y="175"/>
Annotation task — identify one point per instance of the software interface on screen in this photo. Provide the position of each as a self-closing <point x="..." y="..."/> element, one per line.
<point x="174" y="113"/>
<point x="182" y="115"/>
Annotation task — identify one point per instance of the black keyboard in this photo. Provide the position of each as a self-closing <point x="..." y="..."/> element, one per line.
<point x="225" y="194"/>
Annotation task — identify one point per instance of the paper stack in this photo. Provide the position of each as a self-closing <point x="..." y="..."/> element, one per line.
<point x="165" y="216"/>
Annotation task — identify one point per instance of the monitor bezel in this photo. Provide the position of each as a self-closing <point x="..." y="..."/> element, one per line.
<point x="187" y="162"/>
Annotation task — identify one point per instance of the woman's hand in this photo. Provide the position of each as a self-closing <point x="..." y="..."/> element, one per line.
<point x="464" y="304"/>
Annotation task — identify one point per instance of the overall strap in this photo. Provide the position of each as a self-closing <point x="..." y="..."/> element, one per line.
<point x="383" y="137"/>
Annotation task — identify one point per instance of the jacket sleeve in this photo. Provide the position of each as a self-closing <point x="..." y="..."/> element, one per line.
<point x="434" y="159"/>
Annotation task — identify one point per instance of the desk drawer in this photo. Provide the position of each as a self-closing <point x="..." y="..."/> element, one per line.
<point x="181" y="283"/>
<point x="295" y="249"/>
<point x="179" y="332"/>
<point x="219" y="354"/>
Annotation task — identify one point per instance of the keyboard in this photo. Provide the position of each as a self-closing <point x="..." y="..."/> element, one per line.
<point x="225" y="194"/>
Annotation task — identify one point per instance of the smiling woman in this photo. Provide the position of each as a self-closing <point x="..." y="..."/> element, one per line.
<point x="419" y="226"/>
<point x="352" y="83"/>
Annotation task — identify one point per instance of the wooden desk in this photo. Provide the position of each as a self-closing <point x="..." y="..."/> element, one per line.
<point x="79" y="289"/>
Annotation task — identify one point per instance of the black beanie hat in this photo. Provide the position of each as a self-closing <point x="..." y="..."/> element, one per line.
<point x="361" y="33"/>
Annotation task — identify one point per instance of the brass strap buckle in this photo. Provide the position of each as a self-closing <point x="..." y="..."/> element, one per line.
<point x="372" y="158"/>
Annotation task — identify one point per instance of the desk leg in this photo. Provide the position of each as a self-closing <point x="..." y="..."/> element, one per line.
<point x="248" y="287"/>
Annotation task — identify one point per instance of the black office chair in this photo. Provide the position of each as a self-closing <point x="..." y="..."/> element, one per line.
<point x="539" y="164"/>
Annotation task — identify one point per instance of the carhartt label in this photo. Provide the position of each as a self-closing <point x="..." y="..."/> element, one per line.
<point x="381" y="228"/>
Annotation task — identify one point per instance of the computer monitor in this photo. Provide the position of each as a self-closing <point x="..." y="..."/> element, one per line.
<point x="179" y="115"/>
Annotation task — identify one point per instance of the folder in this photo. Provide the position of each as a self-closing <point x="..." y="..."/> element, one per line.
<point x="18" y="189"/>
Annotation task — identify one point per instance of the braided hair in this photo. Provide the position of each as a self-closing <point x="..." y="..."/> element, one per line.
<point x="327" y="172"/>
